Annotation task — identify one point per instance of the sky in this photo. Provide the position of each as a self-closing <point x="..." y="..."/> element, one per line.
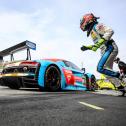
<point x="54" y="25"/>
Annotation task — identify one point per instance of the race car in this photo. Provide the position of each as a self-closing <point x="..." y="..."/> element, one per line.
<point x="50" y="74"/>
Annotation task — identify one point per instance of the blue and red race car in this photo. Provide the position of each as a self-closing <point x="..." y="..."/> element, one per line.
<point x="50" y="74"/>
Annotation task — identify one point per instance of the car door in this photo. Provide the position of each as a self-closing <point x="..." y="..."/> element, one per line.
<point x="76" y="72"/>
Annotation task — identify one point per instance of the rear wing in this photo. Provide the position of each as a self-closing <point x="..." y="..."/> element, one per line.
<point x="16" y="48"/>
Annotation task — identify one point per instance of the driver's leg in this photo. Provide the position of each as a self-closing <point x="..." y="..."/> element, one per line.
<point x="107" y="60"/>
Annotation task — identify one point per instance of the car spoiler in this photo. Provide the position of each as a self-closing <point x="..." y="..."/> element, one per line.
<point x="16" y="48"/>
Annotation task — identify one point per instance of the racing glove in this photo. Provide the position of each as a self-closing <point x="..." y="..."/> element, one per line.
<point x="95" y="46"/>
<point x="84" y="48"/>
<point x="98" y="44"/>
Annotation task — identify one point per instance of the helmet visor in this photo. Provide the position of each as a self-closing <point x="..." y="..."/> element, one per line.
<point x="83" y="26"/>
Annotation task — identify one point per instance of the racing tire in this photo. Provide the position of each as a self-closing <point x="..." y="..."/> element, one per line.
<point x="91" y="83"/>
<point x="53" y="78"/>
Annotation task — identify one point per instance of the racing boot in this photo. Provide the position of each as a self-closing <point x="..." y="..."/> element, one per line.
<point x="122" y="86"/>
<point x="122" y="77"/>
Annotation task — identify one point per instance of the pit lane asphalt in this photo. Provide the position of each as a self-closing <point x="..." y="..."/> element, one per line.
<point x="30" y="107"/>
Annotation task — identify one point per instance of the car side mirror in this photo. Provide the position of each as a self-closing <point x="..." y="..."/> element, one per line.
<point x="83" y="69"/>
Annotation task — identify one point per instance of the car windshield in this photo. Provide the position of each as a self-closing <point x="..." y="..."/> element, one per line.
<point x="72" y="65"/>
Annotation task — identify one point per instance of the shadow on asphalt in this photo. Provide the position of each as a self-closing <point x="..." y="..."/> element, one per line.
<point x="43" y="90"/>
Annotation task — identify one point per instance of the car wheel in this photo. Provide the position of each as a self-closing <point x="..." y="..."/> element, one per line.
<point x="91" y="83"/>
<point x="53" y="78"/>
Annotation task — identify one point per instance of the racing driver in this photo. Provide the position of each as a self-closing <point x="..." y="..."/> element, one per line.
<point x="102" y="38"/>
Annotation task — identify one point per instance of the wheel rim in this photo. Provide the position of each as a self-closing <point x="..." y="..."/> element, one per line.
<point x="52" y="78"/>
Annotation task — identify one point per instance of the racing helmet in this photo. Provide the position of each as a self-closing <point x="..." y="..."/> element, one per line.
<point x="86" y="20"/>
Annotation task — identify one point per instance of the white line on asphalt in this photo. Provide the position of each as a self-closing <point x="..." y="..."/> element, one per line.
<point x="91" y="106"/>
